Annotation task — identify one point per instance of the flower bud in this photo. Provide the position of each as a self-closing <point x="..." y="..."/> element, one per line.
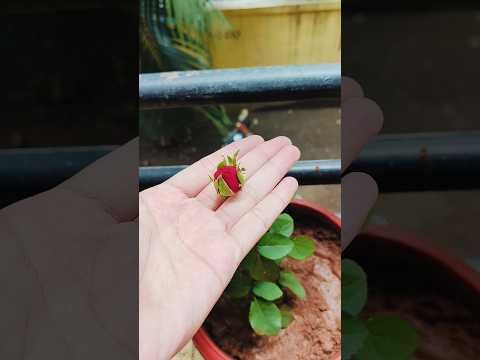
<point x="228" y="179"/>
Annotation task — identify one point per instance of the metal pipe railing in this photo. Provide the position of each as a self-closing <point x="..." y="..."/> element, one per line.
<point x="258" y="84"/>
<point x="406" y="162"/>
<point x="307" y="172"/>
<point x="422" y="161"/>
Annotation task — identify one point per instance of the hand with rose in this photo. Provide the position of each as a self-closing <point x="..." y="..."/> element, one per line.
<point x="192" y="239"/>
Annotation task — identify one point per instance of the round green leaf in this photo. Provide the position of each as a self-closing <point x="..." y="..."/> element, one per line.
<point x="239" y="286"/>
<point x="303" y="247"/>
<point x="265" y="317"/>
<point x="354" y="287"/>
<point x="287" y="316"/>
<point x="389" y="337"/>
<point x="263" y="269"/>
<point x="274" y="246"/>
<point x="289" y="280"/>
<point x="283" y="225"/>
<point x="267" y="290"/>
<point x="354" y="334"/>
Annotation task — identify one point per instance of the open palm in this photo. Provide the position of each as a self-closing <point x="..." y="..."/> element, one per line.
<point x="191" y="241"/>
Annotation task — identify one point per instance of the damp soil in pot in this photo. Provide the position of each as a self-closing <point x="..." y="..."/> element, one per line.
<point x="315" y="331"/>
<point x="437" y="294"/>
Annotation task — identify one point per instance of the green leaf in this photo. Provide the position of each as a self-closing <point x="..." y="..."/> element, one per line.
<point x="222" y="164"/>
<point x="274" y="246"/>
<point x="389" y="337"/>
<point x="241" y="178"/>
<point x="283" y="225"/>
<point x="267" y="290"/>
<point x="234" y="159"/>
<point x="287" y="316"/>
<point x="229" y="160"/>
<point x="223" y="188"/>
<point x="265" y="317"/>
<point x="303" y="247"/>
<point x="264" y="269"/>
<point x="354" y="334"/>
<point x="239" y="286"/>
<point x="354" y="287"/>
<point x="249" y="261"/>
<point x="289" y="280"/>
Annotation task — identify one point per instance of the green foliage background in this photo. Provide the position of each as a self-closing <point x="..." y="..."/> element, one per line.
<point x="174" y="37"/>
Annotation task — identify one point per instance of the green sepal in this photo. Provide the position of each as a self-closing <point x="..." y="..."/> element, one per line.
<point x="222" y="188"/>
<point x="241" y="177"/>
<point x="222" y="164"/>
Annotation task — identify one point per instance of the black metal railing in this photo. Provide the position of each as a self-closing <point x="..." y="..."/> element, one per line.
<point x="257" y="84"/>
<point x="410" y="162"/>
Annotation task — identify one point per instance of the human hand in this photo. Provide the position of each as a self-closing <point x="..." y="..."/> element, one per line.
<point x="68" y="264"/>
<point x="191" y="242"/>
<point x="361" y="119"/>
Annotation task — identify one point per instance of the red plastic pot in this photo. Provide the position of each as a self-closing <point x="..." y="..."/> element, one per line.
<point x="399" y="262"/>
<point x="297" y="208"/>
<point x="387" y="248"/>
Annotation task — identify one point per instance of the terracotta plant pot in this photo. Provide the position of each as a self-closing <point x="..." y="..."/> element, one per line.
<point x="298" y="208"/>
<point x="417" y="280"/>
<point x="383" y="246"/>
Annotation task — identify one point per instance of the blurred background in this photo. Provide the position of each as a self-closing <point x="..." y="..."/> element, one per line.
<point x="199" y="34"/>
<point x="69" y="73"/>
<point x="419" y="62"/>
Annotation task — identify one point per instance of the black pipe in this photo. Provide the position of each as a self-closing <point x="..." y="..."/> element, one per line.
<point x="276" y="83"/>
<point x="407" y="162"/>
<point x="29" y="171"/>
<point x="422" y="161"/>
<point x="308" y="172"/>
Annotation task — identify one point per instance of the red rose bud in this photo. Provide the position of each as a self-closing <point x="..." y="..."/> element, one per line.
<point x="228" y="179"/>
<point x="229" y="174"/>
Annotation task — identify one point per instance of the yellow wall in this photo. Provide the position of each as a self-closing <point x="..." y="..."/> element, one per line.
<point x="300" y="34"/>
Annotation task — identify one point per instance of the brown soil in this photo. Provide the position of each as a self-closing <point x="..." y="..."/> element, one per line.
<point x="447" y="330"/>
<point x="315" y="332"/>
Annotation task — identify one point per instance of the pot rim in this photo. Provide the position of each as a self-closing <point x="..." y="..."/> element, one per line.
<point x="204" y="343"/>
<point x="418" y="245"/>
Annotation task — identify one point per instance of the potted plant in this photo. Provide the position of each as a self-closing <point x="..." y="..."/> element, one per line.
<point x="424" y="302"/>
<point x="285" y="297"/>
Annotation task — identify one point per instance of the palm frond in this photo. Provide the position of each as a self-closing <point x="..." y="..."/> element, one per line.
<point x="176" y="34"/>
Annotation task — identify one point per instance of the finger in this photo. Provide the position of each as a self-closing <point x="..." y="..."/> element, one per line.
<point x="252" y="162"/>
<point x="350" y="89"/>
<point x="193" y="179"/>
<point x="112" y="181"/>
<point x="361" y="119"/>
<point x="359" y="193"/>
<point x="258" y="220"/>
<point x="258" y="186"/>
